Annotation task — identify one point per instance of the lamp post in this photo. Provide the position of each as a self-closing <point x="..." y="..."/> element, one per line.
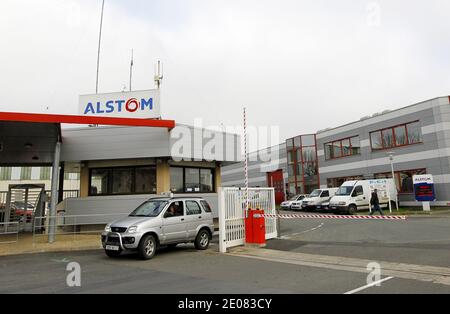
<point x="391" y="160"/>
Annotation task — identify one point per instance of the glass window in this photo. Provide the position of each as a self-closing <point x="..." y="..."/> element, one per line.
<point x="5" y="173"/>
<point x="192" y="208"/>
<point x="206" y="180"/>
<point x="406" y="181"/>
<point x="299" y="171"/>
<point x="310" y="169"/>
<point x="388" y="138"/>
<point x="325" y="194"/>
<point x="308" y="140"/>
<point x="99" y="181"/>
<point x="358" y="190"/>
<point x="414" y="132"/>
<point x="122" y="180"/>
<point x="291" y="170"/>
<point x="400" y="135"/>
<point x="291" y="189"/>
<point x="356" y="146"/>
<point x="375" y="138"/>
<point x="337" y="149"/>
<point x="145" y="180"/>
<point x="45" y="173"/>
<point x="328" y="151"/>
<point x="176" y="180"/>
<point x="192" y="178"/>
<point x="175" y="209"/>
<point x="299" y="155"/>
<point x="291" y="155"/>
<point x="297" y="142"/>
<point x="206" y="206"/>
<point x="290" y="143"/>
<point x="309" y="153"/>
<point x="150" y="208"/>
<point x="346" y="147"/>
<point x="299" y="188"/>
<point x="25" y="173"/>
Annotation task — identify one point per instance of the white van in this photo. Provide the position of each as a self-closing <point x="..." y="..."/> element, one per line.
<point x="317" y="197"/>
<point x="355" y="195"/>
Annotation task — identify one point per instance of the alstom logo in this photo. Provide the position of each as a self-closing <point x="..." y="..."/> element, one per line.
<point x="112" y="106"/>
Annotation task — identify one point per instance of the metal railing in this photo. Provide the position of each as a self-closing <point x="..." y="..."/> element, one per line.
<point x="9" y="229"/>
<point x="72" y="225"/>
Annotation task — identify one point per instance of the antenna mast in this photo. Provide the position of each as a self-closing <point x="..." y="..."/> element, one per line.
<point x="99" y="41"/>
<point x="158" y="74"/>
<point x="131" y="68"/>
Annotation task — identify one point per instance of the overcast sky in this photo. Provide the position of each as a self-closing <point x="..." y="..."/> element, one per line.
<point x="303" y="65"/>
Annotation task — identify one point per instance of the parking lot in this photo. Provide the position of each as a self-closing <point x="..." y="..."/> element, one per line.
<point x="312" y="256"/>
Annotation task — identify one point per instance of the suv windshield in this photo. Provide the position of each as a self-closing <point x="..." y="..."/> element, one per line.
<point x="345" y="190"/>
<point x="150" y="208"/>
<point x="315" y="193"/>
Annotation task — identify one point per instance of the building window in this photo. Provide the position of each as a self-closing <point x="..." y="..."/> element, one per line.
<point x="45" y="173"/>
<point x="123" y="180"/>
<point x="342" y="148"/>
<point x="302" y="165"/>
<point x="5" y="173"/>
<point x="397" y="136"/>
<point x="25" y="173"/>
<point x="191" y="180"/>
<point x="403" y="179"/>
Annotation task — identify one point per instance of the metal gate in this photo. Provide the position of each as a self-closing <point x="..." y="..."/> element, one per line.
<point x="23" y="202"/>
<point x="232" y="214"/>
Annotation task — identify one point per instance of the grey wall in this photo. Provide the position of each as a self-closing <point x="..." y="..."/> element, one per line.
<point x="103" y="143"/>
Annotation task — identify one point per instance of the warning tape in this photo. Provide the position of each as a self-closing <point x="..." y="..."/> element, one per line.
<point x="318" y="216"/>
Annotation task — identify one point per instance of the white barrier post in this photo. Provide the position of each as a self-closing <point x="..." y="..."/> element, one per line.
<point x="222" y="231"/>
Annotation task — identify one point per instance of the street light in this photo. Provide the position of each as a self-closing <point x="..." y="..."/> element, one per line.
<point x="391" y="160"/>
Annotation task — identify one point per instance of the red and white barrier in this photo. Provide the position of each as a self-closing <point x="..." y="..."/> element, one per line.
<point x="319" y="216"/>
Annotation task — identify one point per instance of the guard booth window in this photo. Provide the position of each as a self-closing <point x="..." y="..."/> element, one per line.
<point x="191" y="180"/>
<point x="122" y="181"/>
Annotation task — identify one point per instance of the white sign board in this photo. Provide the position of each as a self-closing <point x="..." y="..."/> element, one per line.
<point x="135" y="104"/>
<point x="423" y="178"/>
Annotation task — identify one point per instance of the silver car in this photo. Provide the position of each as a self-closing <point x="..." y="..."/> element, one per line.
<point x="161" y="221"/>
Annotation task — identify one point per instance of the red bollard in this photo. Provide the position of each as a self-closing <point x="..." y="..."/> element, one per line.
<point x="255" y="227"/>
<point x="259" y="227"/>
<point x="249" y="226"/>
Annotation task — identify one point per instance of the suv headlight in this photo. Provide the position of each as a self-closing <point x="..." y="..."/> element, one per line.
<point x="132" y="229"/>
<point x="108" y="228"/>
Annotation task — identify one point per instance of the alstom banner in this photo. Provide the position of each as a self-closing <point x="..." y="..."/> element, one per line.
<point x="135" y="104"/>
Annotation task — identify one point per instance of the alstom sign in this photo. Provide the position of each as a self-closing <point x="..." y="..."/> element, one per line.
<point x="138" y="104"/>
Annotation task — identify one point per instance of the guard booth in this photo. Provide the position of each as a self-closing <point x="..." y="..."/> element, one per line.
<point x="28" y="139"/>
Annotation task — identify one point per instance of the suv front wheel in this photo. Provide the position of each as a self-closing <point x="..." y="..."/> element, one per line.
<point x="202" y="240"/>
<point x="147" y="247"/>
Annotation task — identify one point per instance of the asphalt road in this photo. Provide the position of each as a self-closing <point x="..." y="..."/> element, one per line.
<point x="421" y="241"/>
<point x="417" y="240"/>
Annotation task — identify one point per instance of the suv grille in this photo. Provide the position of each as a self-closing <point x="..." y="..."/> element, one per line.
<point x="118" y="229"/>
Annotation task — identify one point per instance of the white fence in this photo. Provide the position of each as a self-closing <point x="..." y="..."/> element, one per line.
<point x="232" y="214"/>
<point x="74" y="224"/>
<point x="9" y="232"/>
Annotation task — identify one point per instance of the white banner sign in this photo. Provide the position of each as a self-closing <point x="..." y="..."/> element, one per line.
<point x="135" y="104"/>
